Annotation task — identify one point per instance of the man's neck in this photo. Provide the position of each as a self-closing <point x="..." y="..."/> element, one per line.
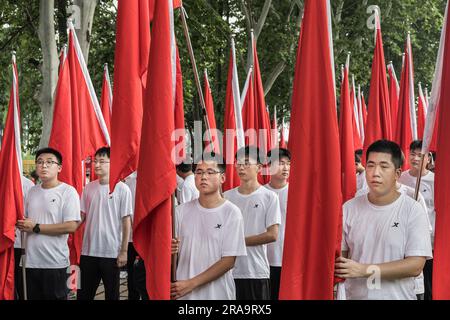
<point x="103" y="180"/>
<point x="386" y="199"/>
<point x="184" y="176"/>
<point x="248" y="187"/>
<point x="278" y="184"/>
<point x="415" y="173"/>
<point x="211" y="201"/>
<point x="50" y="183"/>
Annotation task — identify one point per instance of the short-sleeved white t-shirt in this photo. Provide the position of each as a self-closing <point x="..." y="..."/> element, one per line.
<point x="104" y="214"/>
<point x="27" y="184"/>
<point x="188" y="190"/>
<point x="260" y="209"/>
<point x="131" y="183"/>
<point x="427" y="190"/>
<point x="361" y="182"/>
<point x="275" y="249"/>
<point x="379" y="234"/>
<point x="206" y="236"/>
<point x="50" y="206"/>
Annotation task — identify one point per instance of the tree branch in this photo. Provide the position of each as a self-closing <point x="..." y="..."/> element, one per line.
<point x="279" y="68"/>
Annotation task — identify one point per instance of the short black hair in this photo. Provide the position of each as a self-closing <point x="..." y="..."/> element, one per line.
<point x="184" y="167"/>
<point x="211" y="156"/>
<point x="390" y="147"/>
<point x="103" y="151"/>
<point x="280" y="152"/>
<point x="416" y="144"/>
<point x="52" y="151"/>
<point x="358" y="155"/>
<point x="249" y="152"/>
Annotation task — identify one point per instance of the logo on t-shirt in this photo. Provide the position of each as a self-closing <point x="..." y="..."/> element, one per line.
<point x="218" y="226"/>
<point x="53" y="200"/>
<point x="395" y="224"/>
<point x="256" y="206"/>
<point x="110" y="197"/>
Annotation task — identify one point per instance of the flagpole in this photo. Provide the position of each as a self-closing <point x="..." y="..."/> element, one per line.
<point x="196" y="75"/>
<point x="24" y="273"/>
<point x="174" y="257"/>
<point x="419" y="178"/>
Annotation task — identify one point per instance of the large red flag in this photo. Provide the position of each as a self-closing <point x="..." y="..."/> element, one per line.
<point x="361" y="115"/>
<point x="78" y="128"/>
<point x="283" y="143"/>
<point x="209" y="104"/>
<point x="364" y="111"/>
<point x="379" y="116"/>
<point x="314" y="214"/>
<point x="357" y="144"/>
<point x="130" y="76"/>
<point x="406" y="117"/>
<point x="346" y="135"/>
<point x="421" y="113"/>
<point x="180" y="136"/>
<point x="106" y="98"/>
<point x="274" y="129"/>
<point x="11" y="198"/>
<point x="440" y="102"/>
<point x="249" y="111"/>
<point x="232" y="126"/>
<point x="394" y="94"/>
<point x="156" y="182"/>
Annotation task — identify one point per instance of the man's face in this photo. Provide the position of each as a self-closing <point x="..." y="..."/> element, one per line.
<point x="280" y="168"/>
<point x="47" y="167"/>
<point x="381" y="174"/>
<point x="208" y="177"/>
<point x="101" y="165"/>
<point x="247" y="168"/>
<point x="414" y="159"/>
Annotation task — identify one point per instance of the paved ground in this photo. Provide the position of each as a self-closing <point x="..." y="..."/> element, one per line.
<point x="101" y="291"/>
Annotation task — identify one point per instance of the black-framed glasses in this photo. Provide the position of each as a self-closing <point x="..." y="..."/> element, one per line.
<point x="208" y="173"/>
<point x="48" y="163"/>
<point x="101" y="162"/>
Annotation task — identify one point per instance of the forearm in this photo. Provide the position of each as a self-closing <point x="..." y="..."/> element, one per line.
<point x="59" y="228"/>
<point x="214" y="272"/>
<point x="269" y="236"/>
<point x="126" y="228"/>
<point x="409" y="267"/>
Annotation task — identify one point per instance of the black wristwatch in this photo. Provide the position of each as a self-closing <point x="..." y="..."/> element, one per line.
<point x="36" y="228"/>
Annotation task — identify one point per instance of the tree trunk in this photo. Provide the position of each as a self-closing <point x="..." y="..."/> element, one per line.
<point x="87" y="10"/>
<point x="49" y="67"/>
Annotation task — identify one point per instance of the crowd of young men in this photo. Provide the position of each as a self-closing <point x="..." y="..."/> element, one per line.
<point x="229" y="245"/>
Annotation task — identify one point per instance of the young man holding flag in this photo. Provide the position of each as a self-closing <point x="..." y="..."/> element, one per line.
<point x="52" y="211"/>
<point x="260" y="208"/>
<point x="385" y="233"/>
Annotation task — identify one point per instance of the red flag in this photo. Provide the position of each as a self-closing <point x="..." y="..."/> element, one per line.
<point x="347" y="135"/>
<point x="249" y="111"/>
<point x="180" y="137"/>
<point x="209" y="104"/>
<point x="106" y="99"/>
<point x="364" y="112"/>
<point x="379" y="116"/>
<point x="421" y="113"/>
<point x="361" y="114"/>
<point x="234" y="133"/>
<point x="357" y="144"/>
<point x="177" y="4"/>
<point x="314" y="214"/>
<point x="274" y="130"/>
<point x="394" y="93"/>
<point x="440" y="102"/>
<point x="406" y="117"/>
<point x="11" y="198"/>
<point x="130" y="76"/>
<point x="78" y="128"/>
<point x="283" y="143"/>
<point x="152" y="231"/>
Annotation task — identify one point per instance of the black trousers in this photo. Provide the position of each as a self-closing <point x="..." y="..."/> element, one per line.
<point x="133" y="294"/>
<point x="139" y="279"/>
<point x="252" y="289"/>
<point x="47" y="284"/>
<point x="18" y="277"/>
<point x="275" y="275"/>
<point x="428" y="279"/>
<point x="94" y="269"/>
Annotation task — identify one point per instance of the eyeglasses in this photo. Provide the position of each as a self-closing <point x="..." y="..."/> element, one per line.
<point x="209" y="173"/>
<point x="245" y="164"/>
<point x="100" y="162"/>
<point x="48" y="163"/>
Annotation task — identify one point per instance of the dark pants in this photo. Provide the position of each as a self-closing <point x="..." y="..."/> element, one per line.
<point x="275" y="275"/>
<point x="47" y="284"/>
<point x="18" y="276"/>
<point x="252" y="289"/>
<point x="139" y="279"/>
<point x="133" y="294"/>
<point x="428" y="279"/>
<point x="94" y="269"/>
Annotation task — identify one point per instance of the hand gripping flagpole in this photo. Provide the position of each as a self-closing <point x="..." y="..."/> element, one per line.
<point x="196" y="75"/>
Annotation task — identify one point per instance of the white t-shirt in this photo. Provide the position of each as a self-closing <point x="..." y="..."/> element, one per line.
<point x="27" y="184"/>
<point x="50" y="206"/>
<point x="188" y="190"/>
<point x="104" y="214"/>
<point x="361" y="182"/>
<point x="275" y="249"/>
<point x="260" y="209"/>
<point x="378" y="234"/>
<point x="131" y="183"/>
<point x="427" y="190"/>
<point x="207" y="235"/>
